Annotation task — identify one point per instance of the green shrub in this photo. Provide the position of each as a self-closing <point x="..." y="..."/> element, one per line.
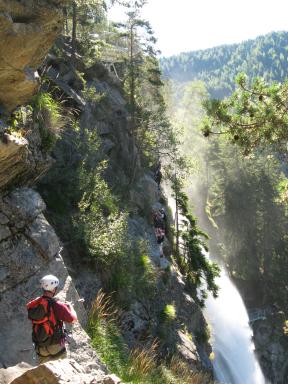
<point x="91" y="95"/>
<point x="203" y="336"/>
<point x="169" y="313"/>
<point x="199" y="271"/>
<point x="134" y="276"/>
<point x="48" y="116"/>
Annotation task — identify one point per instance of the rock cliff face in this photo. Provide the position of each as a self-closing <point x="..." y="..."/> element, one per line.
<point x="110" y="121"/>
<point x="271" y="347"/>
<point x="29" y="249"/>
<point x="29" y="246"/>
<point x="27" y="31"/>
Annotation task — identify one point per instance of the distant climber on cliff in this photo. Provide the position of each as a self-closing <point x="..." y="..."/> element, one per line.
<point x="160" y="235"/>
<point x="164" y="219"/>
<point x="158" y="219"/>
<point x="47" y="315"/>
<point x="158" y="175"/>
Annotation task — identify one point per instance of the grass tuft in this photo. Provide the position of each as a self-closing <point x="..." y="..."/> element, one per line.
<point x="141" y="365"/>
<point x="48" y="114"/>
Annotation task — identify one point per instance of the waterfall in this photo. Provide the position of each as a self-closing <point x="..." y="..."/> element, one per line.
<point x="234" y="358"/>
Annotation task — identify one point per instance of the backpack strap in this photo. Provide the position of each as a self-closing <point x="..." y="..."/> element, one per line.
<point x="55" y="321"/>
<point x="50" y="302"/>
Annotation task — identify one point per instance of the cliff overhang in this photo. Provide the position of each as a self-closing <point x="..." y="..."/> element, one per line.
<point x="28" y="28"/>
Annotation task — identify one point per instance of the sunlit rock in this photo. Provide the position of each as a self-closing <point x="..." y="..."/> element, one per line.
<point x="27" y="31"/>
<point x="54" y="372"/>
<point x="13" y="157"/>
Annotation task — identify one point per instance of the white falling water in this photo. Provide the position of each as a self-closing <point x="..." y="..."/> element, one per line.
<point x="235" y="361"/>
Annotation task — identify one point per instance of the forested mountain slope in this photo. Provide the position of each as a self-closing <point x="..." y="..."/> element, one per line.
<point x="239" y="183"/>
<point x="265" y="56"/>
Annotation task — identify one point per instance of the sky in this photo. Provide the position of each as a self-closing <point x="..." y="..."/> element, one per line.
<point x="188" y="25"/>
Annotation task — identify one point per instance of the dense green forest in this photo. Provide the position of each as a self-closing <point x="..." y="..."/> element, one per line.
<point x="239" y="159"/>
<point x="266" y="56"/>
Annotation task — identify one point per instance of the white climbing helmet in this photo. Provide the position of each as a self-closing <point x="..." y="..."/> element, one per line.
<point x="49" y="282"/>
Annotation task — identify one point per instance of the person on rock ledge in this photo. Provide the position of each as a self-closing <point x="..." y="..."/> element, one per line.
<point x="47" y="315"/>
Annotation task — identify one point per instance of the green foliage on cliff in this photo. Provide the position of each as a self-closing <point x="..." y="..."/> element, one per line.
<point x="99" y="224"/>
<point x="253" y="117"/>
<point x="190" y="249"/>
<point x="134" y="277"/>
<point x="48" y="115"/>
<point x="169" y="313"/>
<point x="140" y="365"/>
<point x="86" y="211"/>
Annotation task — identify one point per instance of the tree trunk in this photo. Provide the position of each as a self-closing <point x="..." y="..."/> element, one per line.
<point x="65" y="11"/>
<point x="74" y="31"/>
<point x="177" y="222"/>
<point x="132" y="80"/>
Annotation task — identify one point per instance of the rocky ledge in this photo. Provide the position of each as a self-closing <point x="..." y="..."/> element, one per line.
<point x="29" y="249"/>
<point x="54" y="372"/>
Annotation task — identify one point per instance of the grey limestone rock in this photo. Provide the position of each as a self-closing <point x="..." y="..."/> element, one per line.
<point x="146" y="193"/>
<point x="31" y="251"/>
<point x="53" y="372"/>
<point x="29" y="242"/>
<point x="25" y="203"/>
<point x="43" y="237"/>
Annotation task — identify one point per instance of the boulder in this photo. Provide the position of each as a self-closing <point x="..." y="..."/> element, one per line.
<point x="187" y="349"/>
<point x="54" y="372"/>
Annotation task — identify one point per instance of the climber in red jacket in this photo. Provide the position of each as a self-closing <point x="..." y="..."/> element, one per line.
<point x="47" y="315"/>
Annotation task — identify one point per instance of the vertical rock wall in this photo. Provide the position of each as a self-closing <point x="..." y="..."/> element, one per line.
<point x="29" y="249"/>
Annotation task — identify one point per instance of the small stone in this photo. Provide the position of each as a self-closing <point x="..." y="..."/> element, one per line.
<point x="3" y="219"/>
<point x="4" y="232"/>
<point x="111" y="379"/>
